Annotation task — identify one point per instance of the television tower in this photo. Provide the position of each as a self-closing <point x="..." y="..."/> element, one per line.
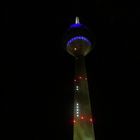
<point x="79" y="45"/>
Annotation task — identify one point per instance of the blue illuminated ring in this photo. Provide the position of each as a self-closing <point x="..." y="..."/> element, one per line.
<point x="78" y="38"/>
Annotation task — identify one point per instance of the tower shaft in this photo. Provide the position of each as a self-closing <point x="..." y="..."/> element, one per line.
<point x="83" y="120"/>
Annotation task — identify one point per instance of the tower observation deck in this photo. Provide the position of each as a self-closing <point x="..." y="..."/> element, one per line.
<point x="78" y="44"/>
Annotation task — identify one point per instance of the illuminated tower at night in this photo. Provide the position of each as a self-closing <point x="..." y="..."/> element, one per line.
<point x="78" y="45"/>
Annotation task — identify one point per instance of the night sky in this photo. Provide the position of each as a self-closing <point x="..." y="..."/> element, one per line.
<point x="37" y="73"/>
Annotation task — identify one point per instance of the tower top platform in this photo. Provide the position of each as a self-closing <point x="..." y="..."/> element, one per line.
<point x="77" y="39"/>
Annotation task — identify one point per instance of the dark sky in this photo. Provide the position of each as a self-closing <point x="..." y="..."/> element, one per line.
<point x="37" y="73"/>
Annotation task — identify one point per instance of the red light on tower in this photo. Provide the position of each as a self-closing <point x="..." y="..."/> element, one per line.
<point x="90" y="120"/>
<point x="80" y="77"/>
<point x="82" y="117"/>
<point x="74" y="121"/>
<point x="74" y="80"/>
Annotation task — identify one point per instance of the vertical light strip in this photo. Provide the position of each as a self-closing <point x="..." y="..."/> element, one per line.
<point x="77" y="109"/>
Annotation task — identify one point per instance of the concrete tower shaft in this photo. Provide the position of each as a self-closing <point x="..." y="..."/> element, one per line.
<point x="83" y="118"/>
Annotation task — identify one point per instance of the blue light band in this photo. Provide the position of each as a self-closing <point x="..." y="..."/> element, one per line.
<point x="78" y="38"/>
<point x="76" y="25"/>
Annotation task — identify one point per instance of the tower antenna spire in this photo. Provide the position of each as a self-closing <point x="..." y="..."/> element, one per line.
<point x="77" y="20"/>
